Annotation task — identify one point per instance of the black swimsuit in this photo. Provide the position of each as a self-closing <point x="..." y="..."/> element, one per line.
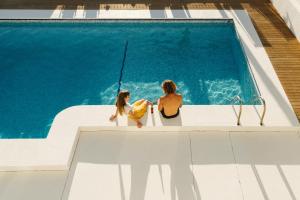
<point x="169" y="117"/>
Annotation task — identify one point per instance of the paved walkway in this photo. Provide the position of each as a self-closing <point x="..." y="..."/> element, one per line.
<point x="194" y="165"/>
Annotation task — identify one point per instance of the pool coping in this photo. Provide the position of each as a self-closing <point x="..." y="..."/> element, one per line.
<point x="56" y="151"/>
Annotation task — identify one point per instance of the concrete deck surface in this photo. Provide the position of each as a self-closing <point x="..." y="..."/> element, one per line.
<point x="171" y="165"/>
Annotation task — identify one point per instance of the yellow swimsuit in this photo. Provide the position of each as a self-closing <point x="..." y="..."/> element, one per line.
<point x="139" y="108"/>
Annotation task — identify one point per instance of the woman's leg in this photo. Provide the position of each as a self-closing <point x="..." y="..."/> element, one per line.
<point x="138" y="123"/>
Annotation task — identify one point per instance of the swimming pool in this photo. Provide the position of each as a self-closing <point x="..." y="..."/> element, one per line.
<point x="49" y="66"/>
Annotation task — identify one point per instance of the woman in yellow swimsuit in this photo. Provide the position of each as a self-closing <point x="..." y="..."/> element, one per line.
<point x="135" y="111"/>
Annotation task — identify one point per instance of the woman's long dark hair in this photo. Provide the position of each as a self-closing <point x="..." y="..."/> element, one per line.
<point x="120" y="103"/>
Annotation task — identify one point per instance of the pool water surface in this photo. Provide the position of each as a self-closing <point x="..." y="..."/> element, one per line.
<point x="49" y="66"/>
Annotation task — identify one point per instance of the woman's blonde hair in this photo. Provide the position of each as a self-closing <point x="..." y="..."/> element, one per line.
<point x="168" y="86"/>
<point x="120" y="103"/>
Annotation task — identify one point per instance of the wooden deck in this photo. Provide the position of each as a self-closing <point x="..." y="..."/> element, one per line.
<point x="279" y="42"/>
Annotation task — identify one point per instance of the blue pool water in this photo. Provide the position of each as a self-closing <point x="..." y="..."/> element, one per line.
<point x="49" y="66"/>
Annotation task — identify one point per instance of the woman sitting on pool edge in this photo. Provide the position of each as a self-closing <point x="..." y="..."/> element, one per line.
<point x="135" y="111"/>
<point x="169" y="104"/>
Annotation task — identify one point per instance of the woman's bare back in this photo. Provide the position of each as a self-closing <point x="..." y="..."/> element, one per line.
<point x="170" y="103"/>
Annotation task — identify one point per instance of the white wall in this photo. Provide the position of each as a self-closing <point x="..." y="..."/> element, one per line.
<point x="290" y="12"/>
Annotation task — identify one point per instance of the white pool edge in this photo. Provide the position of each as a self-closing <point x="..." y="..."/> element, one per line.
<point x="56" y="151"/>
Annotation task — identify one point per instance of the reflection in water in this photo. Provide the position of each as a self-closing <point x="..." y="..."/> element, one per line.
<point x="222" y="91"/>
<point x="108" y="96"/>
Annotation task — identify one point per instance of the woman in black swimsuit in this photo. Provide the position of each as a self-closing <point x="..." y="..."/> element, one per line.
<point x="169" y="104"/>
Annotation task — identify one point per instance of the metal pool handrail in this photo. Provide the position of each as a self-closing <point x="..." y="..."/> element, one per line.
<point x="235" y="99"/>
<point x="264" y="110"/>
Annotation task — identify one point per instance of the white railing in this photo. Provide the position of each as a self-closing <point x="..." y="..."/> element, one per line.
<point x="262" y="116"/>
<point x="238" y="99"/>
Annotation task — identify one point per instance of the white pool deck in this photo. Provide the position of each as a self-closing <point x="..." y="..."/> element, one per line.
<point x="202" y="154"/>
<point x="211" y="165"/>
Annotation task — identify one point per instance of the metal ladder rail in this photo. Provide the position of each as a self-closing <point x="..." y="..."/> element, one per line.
<point x="262" y="116"/>
<point x="235" y="99"/>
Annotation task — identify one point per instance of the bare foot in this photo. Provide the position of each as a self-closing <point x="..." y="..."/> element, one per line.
<point x="139" y="124"/>
<point x="112" y="118"/>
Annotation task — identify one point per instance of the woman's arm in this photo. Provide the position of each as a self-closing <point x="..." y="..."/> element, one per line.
<point x="160" y="104"/>
<point x="180" y="101"/>
<point x="113" y="117"/>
